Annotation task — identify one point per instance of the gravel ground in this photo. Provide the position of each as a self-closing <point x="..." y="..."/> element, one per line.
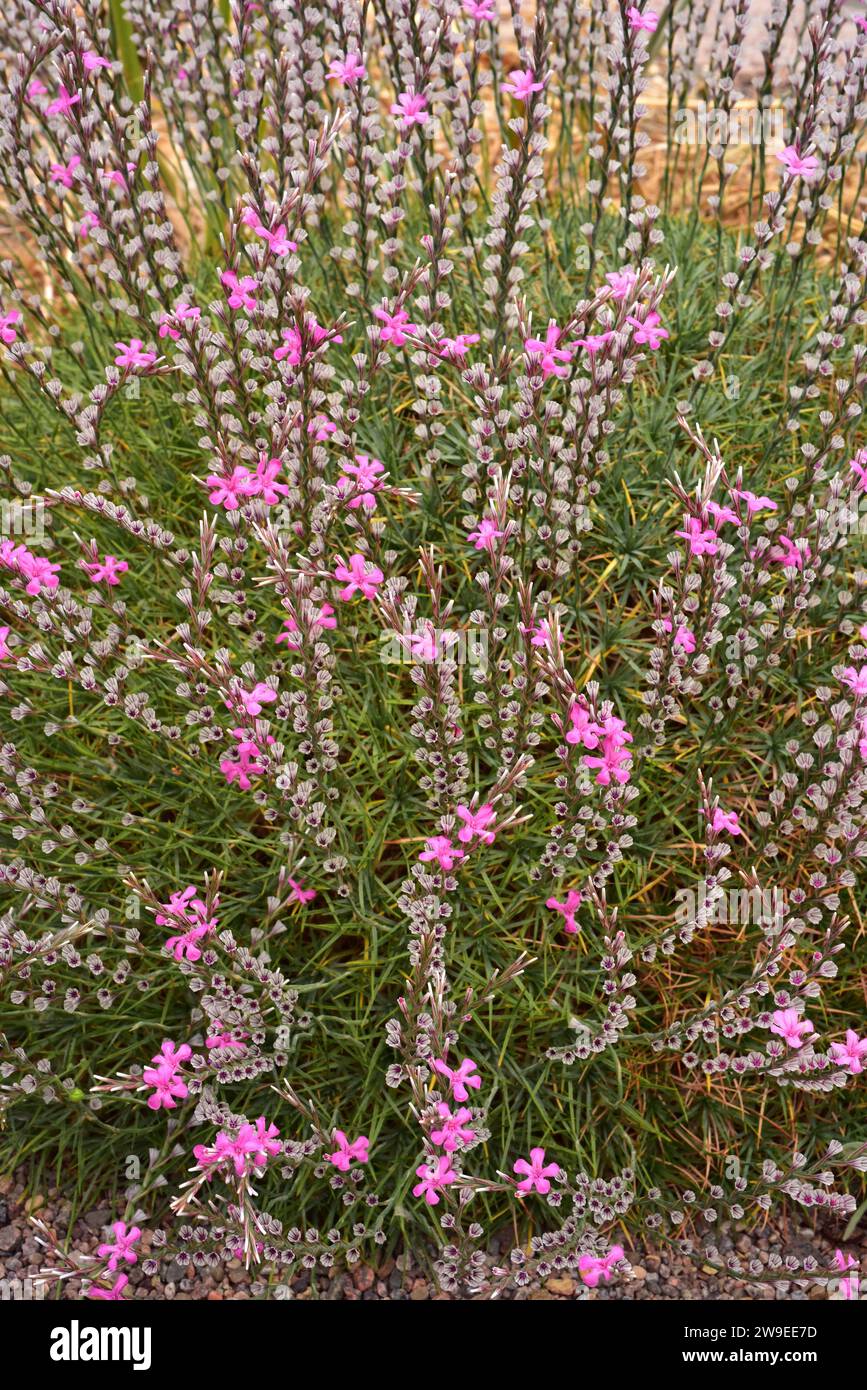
<point x="655" y="1274"/>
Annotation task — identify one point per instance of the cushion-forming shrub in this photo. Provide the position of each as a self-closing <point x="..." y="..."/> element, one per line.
<point x="434" y="643"/>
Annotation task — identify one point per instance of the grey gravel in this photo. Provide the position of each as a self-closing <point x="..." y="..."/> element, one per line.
<point x="655" y="1274"/>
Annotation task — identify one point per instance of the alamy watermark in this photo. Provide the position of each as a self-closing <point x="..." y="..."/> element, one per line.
<point x="847" y="515"/>
<point x="21" y="1290"/>
<point x="77" y="1343"/>
<point x="431" y="645"/>
<point x="765" y="907"/>
<point x="742" y="125"/>
<point x="22" y="520"/>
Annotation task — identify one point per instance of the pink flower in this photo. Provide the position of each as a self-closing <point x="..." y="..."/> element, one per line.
<point x="593" y="1267"/>
<point x="240" y="290"/>
<point x="593" y="343"/>
<point x="293" y="343"/>
<point x="359" y="577"/>
<point x="485" y="534"/>
<point x="299" y="893"/>
<point x="849" y="1285"/>
<point x="700" y="539"/>
<point x="480" y="10"/>
<point x="616" y="760"/>
<point x="537" y="1173"/>
<point x="648" y="20"/>
<point x="88" y="222"/>
<point x="441" y="849"/>
<point x="434" y="1179"/>
<point x="346" y="1154"/>
<point x="788" y="1024"/>
<point x="460" y="1078"/>
<point x="648" y="332"/>
<point x="4" y="648"/>
<point x="683" y="638"/>
<point x="108" y="572"/>
<point x="291" y="348"/>
<point x="163" y="1076"/>
<point x="62" y="104"/>
<point x="849" y="1053"/>
<point x="182" y="906"/>
<point x="754" y="503"/>
<point x="36" y="569"/>
<point x="182" y="313"/>
<point x="116" y="177"/>
<point x="132" y="354"/>
<point x="859" y="466"/>
<point x="36" y="89"/>
<point x="725" y="822"/>
<point x="247" y="1151"/>
<point x="539" y="634"/>
<point x="92" y="61"/>
<point x="455" y="349"/>
<point x="347" y="70"/>
<point x="615" y="763"/>
<point x="243" y="769"/>
<point x="360" y="481"/>
<point x="319" y="334"/>
<point x="554" y="358"/>
<point x="263" y="481"/>
<point x="263" y="1144"/>
<point x="806" y="167"/>
<point x="322" y="619"/>
<point x="253" y="701"/>
<point x="452" y="1133"/>
<point x="8" y="333"/>
<point x="429" y="645"/>
<point x="856" y="680"/>
<point x="62" y="173"/>
<point x="476" y="823"/>
<point x="410" y="109"/>
<point x="121" y="1247"/>
<point x="112" y="1295"/>
<point x="321" y="427"/>
<point x="278" y="240"/>
<point x="567" y="909"/>
<point x="584" y="729"/>
<point x="225" y="1042"/>
<point x="191" y="912"/>
<point x="233" y="491"/>
<point x="722" y="514"/>
<point x="396" y="326"/>
<point x="622" y="282"/>
<point x="788" y="554"/>
<point x="522" y="84"/>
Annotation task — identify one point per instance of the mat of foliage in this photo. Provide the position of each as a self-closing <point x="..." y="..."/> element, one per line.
<point x="434" y="630"/>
